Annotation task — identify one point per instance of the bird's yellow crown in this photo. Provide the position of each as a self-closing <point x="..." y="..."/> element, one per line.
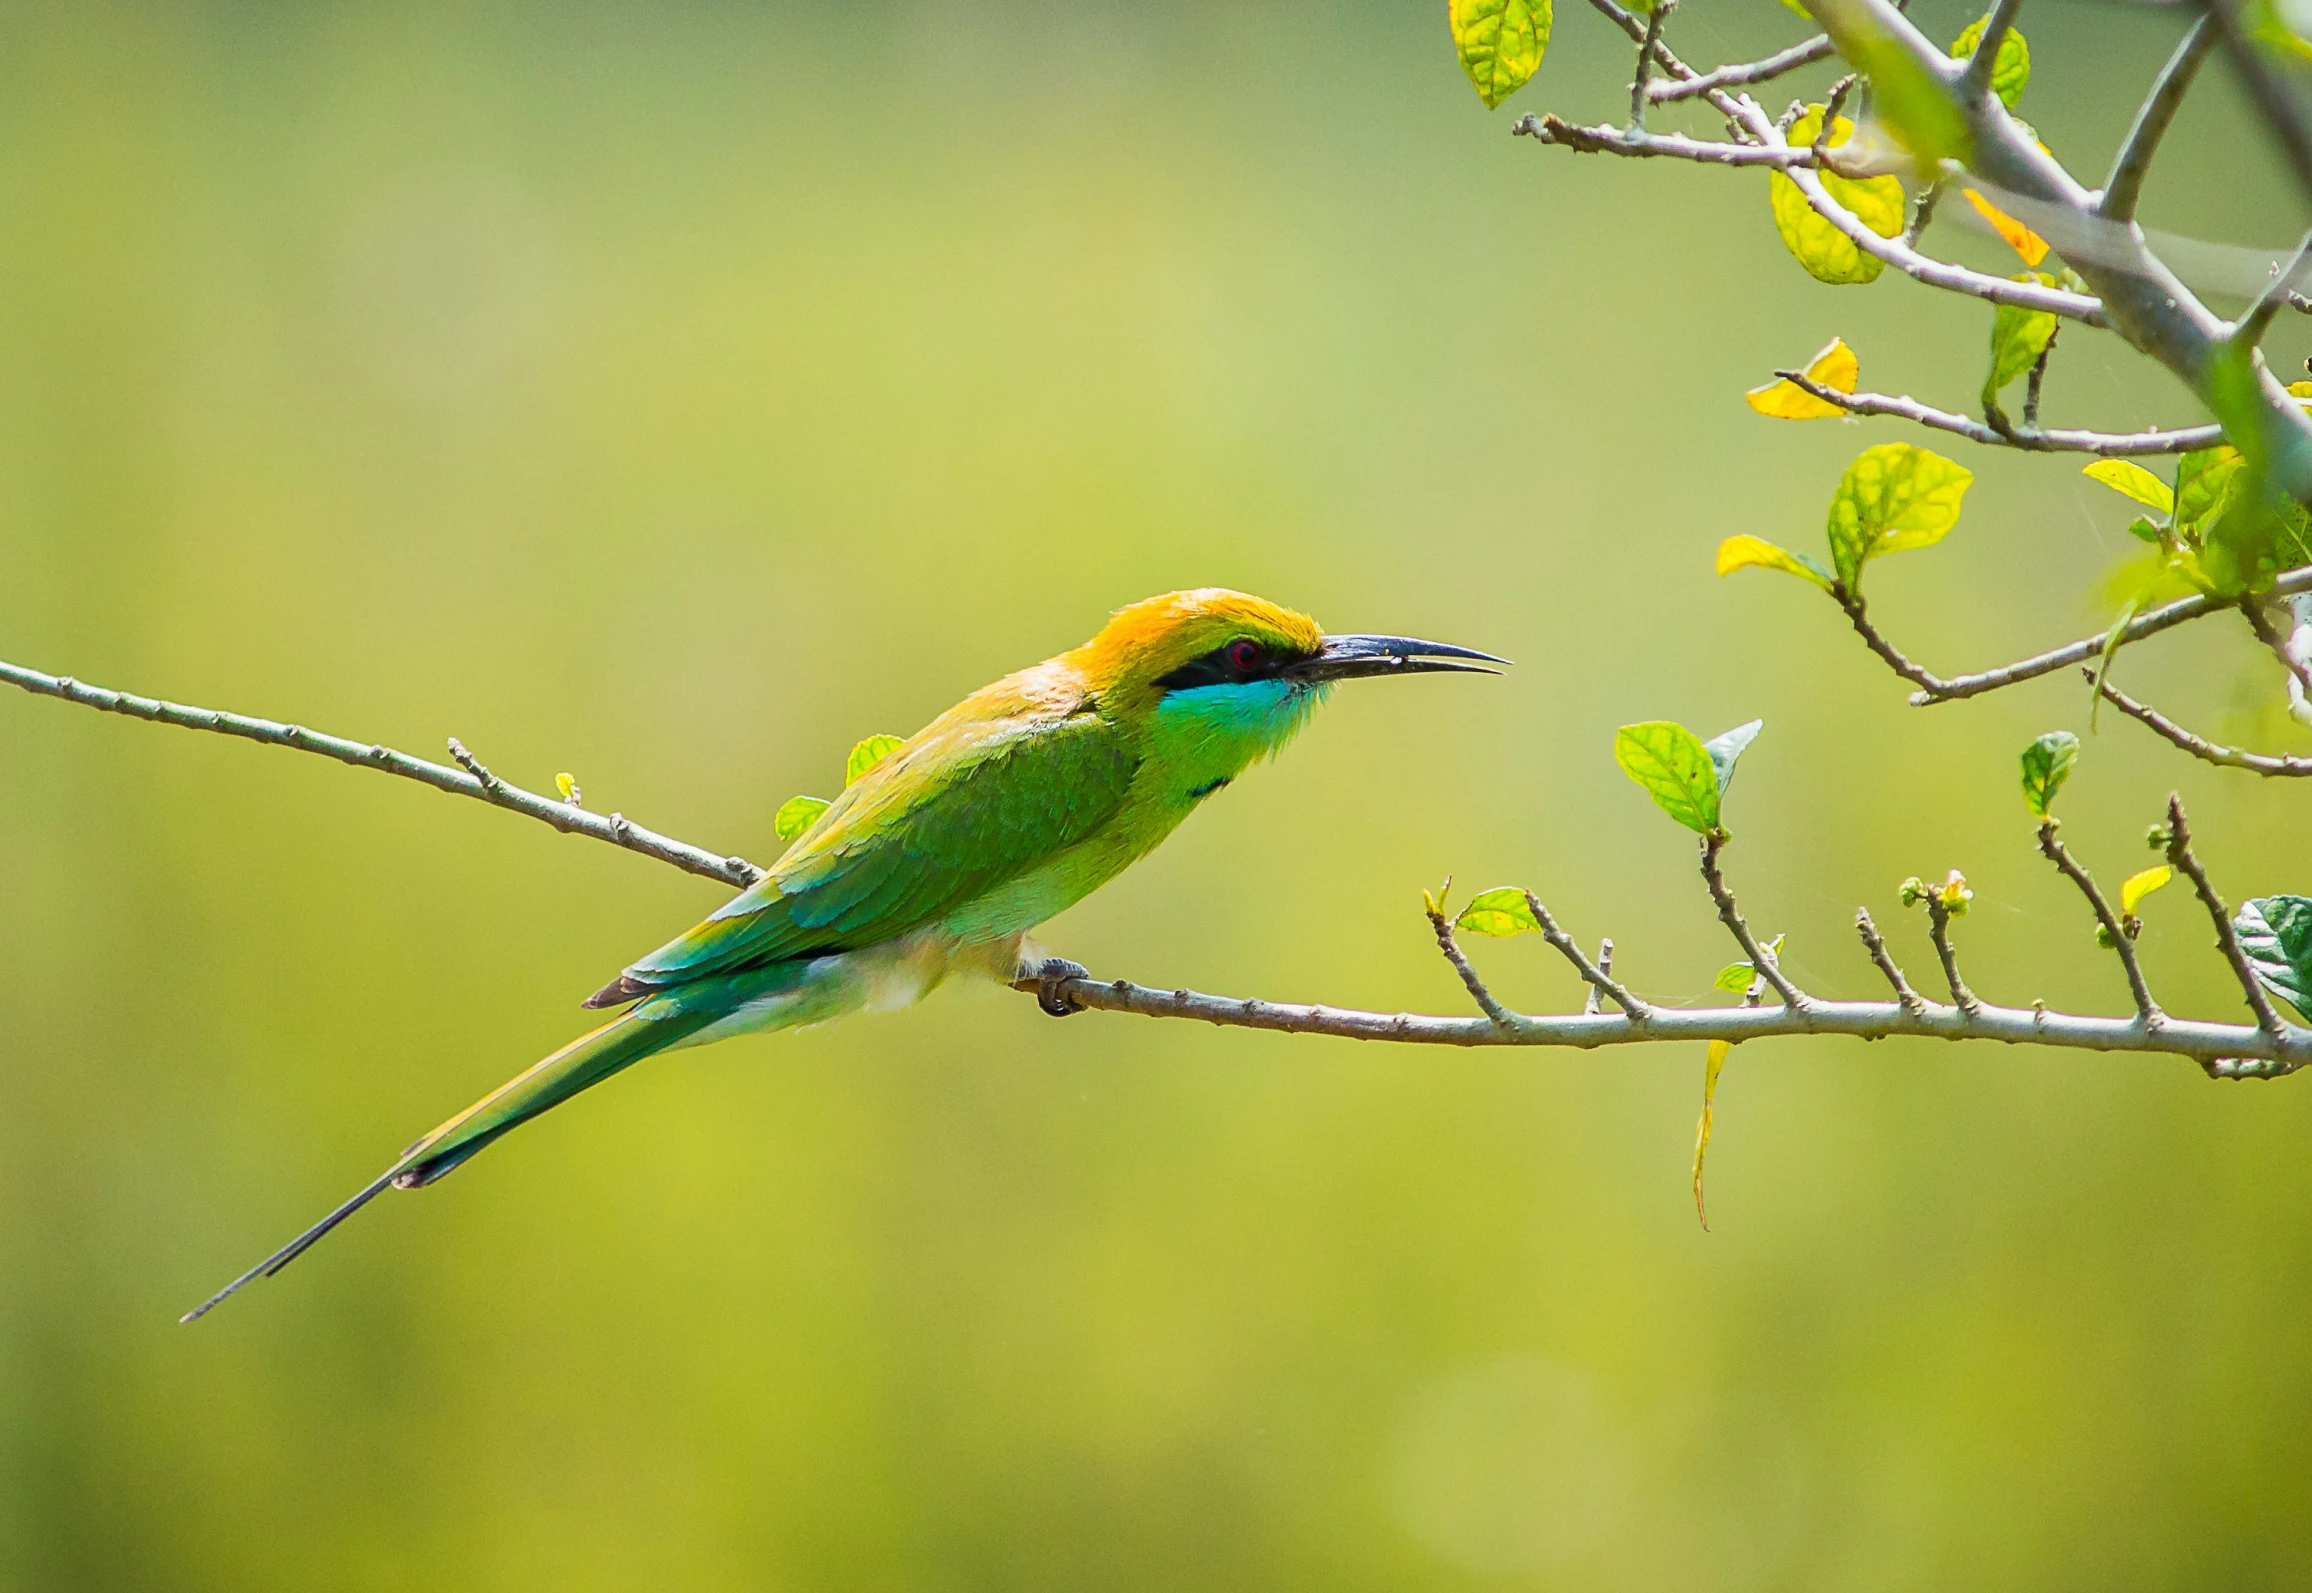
<point x="1150" y="639"/>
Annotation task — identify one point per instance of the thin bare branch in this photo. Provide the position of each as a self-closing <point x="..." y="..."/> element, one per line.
<point x="2113" y="929"/>
<point x="2037" y="381"/>
<point x="2277" y="640"/>
<point x="1939" y="931"/>
<point x="1589" y="1002"/>
<point x="1934" y="688"/>
<point x="2179" y="853"/>
<point x="485" y="787"/>
<point x="2275" y="99"/>
<point x="2226" y="1050"/>
<point x="1975" y="82"/>
<point x="1637" y="143"/>
<point x="1759" y="71"/>
<point x="1761" y="960"/>
<point x="2109" y="444"/>
<point x="1656" y="20"/>
<point x="1494" y="1011"/>
<point x="1911" y="1001"/>
<point x="2256" y="320"/>
<point x="2124" y="187"/>
<point x="2272" y="764"/>
<point x="1598" y="975"/>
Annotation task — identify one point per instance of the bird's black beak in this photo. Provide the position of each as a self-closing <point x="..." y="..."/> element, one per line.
<point x="1353" y="657"/>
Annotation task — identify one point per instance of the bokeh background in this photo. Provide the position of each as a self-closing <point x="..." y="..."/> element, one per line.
<point x="674" y="394"/>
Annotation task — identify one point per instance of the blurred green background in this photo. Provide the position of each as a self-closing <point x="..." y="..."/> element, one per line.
<point x="673" y="395"/>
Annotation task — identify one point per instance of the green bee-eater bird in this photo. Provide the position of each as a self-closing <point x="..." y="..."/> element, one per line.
<point x="1019" y="801"/>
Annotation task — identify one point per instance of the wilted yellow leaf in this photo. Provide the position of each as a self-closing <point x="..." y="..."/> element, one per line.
<point x="1716" y="1060"/>
<point x="1828" y="254"/>
<point x="1834" y="367"/>
<point x="2020" y="238"/>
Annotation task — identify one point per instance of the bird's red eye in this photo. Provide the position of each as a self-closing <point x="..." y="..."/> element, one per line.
<point x="1243" y="656"/>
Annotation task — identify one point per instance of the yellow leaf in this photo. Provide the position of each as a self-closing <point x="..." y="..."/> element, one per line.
<point x="1500" y="43"/>
<point x="2020" y="238"/>
<point x="1710" y="1067"/>
<point x="1828" y="254"/>
<point x="2300" y="389"/>
<point x="2125" y="475"/>
<point x="1834" y="367"/>
<point x="568" y="787"/>
<point x="1747" y="552"/>
<point x="2141" y="885"/>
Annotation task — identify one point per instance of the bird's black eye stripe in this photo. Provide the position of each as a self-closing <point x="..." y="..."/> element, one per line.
<point x="1230" y="664"/>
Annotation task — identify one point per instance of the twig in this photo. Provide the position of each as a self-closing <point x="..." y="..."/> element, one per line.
<point x="2116" y="932"/>
<point x="1912" y="1002"/>
<point x="1939" y="931"/>
<point x="1761" y="960"/>
<point x="2227" y="1050"/>
<point x="1975" y="82"/>
<point x="1493" y="1010"/>
<point x="2275" y="100"/>
<point x="2037" y="380"/>
<point x="2271" y="636"/>
<point x="1550" y="128"/>
<point x="1597" y="974"/>
<point x="2111" y="445"/>
<point x="1922" y="212"/>
<point x="1656" y="19"/>
<point x="1858" y="615"/>
<point x="2256" y="320"/>
<point x="2179" y="853"/>
<point x="564" y="817"/>
<point x="2124" y="186"/>
<point x="2272" y="764"/>
<point x="1589" y="1001"/>
<point x="1760" y="71"/>
<point x="1934" y="688"/>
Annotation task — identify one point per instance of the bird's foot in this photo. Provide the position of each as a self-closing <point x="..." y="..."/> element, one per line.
<point x="1050" y="976"/>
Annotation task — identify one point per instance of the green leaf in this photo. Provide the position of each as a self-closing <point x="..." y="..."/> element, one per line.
<point x="2010" y="69"/>
<point x="1725" y="749"/>
<point x="1675" y="768"/>
<point x="1500" y="911"/>
<point x="797" y="814"/>
<point x="1828" y="254"/>
<point x="1738" y="977"/>
<point x="2125" y="475"/>
<point x="2046" y="765"/>
<point x="2018" y="338"/>
<point x="1892" y="498"/>
<point x="869" y="753"/>
<point x="2205" y="480"/>
<point x="2276" y="934"/>
<point x="1500" y="43"/>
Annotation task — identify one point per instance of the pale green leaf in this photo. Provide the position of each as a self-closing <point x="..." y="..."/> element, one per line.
<point x="2018" y="337"/>
<point x="1500" y="911"/>
<point x="1500" y="43"/>
<point x="1828" y="254"/>
<point x="2010" y="70"/>
<point x="1675" y="769"/>
<point x="1725" y="749"/>
<point x="2046" y="765"/>
<point x="1892" y="498"/>
<point x="2276" y="934"/>
<point x="2125" y="475"/>
<point x="869" y="753"/>
<point x="796" y="815"/>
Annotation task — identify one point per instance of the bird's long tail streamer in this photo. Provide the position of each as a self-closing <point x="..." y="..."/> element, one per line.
<point x="585" y="1061"/>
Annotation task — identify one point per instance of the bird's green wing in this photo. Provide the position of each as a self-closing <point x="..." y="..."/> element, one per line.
<point x="933" y="826"/>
